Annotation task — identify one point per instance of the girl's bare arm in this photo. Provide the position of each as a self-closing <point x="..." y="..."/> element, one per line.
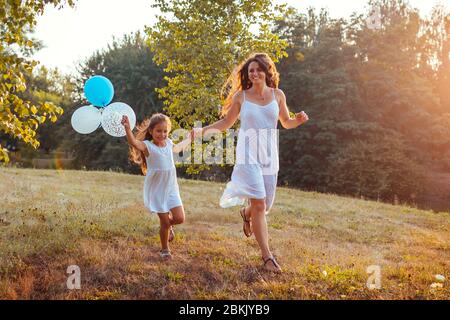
<point x="181" y="145"/>
<point x="132" y="141"/>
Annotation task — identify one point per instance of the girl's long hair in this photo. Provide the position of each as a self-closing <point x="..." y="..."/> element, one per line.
<point x="238" y="80"/>
<point x="144" y="133"/>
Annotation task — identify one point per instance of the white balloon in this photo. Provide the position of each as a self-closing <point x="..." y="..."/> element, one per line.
<point x="112" y="117"/>
<point x="86" y="119"/>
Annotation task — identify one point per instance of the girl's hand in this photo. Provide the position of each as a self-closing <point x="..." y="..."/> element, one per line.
<point x="125" y="122"/>
<point x="301" y="117"/>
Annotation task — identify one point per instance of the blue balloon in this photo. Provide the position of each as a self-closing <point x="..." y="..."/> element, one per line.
<point x="99" y="91"/>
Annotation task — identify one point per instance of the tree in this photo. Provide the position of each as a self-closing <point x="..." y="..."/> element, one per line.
<point x="435" y="66"/>
<point x="199" y="42"/>
<point x="361" y="87"/>
<point x="50" y="85"/>
<point x="377" y="169"/>
<point x="393" y="76"/>
<point x="317" y="78"/>
<point x="18" y="117"/>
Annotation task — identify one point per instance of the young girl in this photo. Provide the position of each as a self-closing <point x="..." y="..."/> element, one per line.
<point x="255" y="97"/>
<point x="153" y="151"/>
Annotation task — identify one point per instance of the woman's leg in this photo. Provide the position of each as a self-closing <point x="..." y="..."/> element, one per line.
<point x="257" y="211"/>
<point x="177" y="215"/>
<point x="270" y="185"/>
<point x="164" y="221"/>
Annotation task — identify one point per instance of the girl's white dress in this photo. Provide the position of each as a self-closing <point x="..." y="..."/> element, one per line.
<point x="161" y="191"/>
<point x="256" y="168"/>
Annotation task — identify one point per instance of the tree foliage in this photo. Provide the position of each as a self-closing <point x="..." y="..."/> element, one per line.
<point x="371" y="93"/>
<point x="19" y="117"/>
<point x="377" y="169"/>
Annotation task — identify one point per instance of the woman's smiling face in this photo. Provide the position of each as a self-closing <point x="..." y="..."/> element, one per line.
<point x="255" y="73"/>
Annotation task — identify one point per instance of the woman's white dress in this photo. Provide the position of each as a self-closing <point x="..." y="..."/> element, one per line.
<point x="161" y="191"/>
<point x="256" y="168"/>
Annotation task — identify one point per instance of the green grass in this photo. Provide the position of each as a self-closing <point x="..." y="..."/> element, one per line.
<point x="52" y="219"/>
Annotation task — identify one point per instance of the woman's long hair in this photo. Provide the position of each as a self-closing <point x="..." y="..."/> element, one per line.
<point x="239" y="80"/>
<point x="144" y="133"/>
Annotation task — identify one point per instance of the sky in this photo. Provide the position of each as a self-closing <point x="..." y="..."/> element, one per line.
<point x="70" y="35"/>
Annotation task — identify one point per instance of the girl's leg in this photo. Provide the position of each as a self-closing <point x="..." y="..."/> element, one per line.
<point x="257" y="211"/>
<point x="164" y="230"/>
<point x="176" y="216"/>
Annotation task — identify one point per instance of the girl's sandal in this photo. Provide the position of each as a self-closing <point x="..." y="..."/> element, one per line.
<point x="246" y="227"/>
<point x="165" y="254"/>
<point x="171" y="234"/>
<point x="275" y="266"/>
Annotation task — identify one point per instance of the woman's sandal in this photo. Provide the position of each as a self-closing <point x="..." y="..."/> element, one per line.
<point x="171" y="234"/>
<point x="246" y="227"/>
<point x="274" y="262"/>
<point x="165" y="254"/>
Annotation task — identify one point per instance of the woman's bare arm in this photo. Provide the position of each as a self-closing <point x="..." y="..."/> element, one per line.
<point x="231" y="117"/>
<point x="286" y="121"/>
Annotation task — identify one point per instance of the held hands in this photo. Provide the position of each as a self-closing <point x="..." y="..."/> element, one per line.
<point x="195" y="132"/>
<point x="125" y="122"/>
<point x="301" y="117"/>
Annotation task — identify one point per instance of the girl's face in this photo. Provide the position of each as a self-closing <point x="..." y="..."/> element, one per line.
<point x="256" y="73"/>
<point x="160" y="131"/>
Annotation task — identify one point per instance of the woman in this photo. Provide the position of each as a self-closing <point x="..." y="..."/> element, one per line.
<point x="256" y="99"/>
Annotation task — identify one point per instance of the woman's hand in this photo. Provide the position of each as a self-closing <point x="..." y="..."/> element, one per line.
<point x="125" y="122"/>
<point x="195" y="132"/>
<point x="301" y="117"/>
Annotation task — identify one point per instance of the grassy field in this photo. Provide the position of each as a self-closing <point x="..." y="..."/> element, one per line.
<point x="52" y="219"/>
